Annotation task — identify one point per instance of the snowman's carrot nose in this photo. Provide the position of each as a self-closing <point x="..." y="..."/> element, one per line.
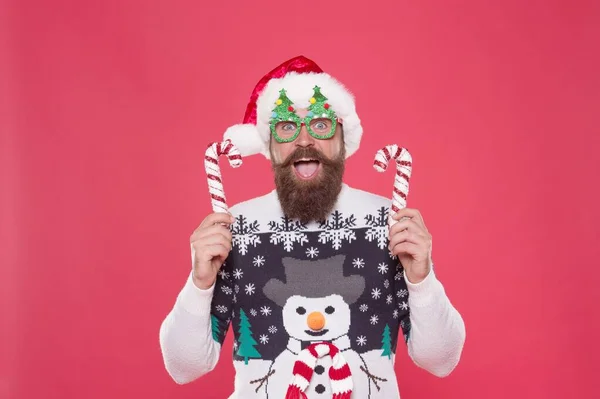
<point x="316" y="321"/>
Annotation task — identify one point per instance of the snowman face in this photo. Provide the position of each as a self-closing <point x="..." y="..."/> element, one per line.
<point x="316" y="319"/>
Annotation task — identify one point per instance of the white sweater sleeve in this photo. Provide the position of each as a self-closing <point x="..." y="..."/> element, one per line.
<point x="437" y="332"/>
<point x="186" y="338"/>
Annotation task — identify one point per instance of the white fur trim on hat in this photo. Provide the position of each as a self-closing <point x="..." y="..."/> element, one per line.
<point x="246" y="138"/>
<point x="299" y="88"/>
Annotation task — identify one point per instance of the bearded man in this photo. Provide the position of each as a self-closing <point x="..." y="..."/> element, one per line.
<point x="316" y="286"/>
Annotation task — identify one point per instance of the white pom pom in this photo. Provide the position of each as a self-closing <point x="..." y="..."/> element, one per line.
<point x="246" y="138"/>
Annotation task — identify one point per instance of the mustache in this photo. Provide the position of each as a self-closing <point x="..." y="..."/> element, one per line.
<point x="305" y="152"/>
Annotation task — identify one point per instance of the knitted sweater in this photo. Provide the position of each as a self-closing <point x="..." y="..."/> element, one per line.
<point x="286" y="285"/>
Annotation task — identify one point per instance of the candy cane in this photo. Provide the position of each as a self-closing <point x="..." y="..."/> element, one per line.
<point x="403" y="173"/>
<point x="213" y="171"/>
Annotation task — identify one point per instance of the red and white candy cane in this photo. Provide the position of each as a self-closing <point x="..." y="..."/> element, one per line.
<point x="213" y="171"/>
<point x="403" y="173"/>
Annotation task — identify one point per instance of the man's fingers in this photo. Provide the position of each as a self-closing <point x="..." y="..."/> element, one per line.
<point x="216" y="218"/>
<point x="216" y="239"/>
<point x="406" y="247"/>
<point x="404" y="236"/>
<point x="405" y="224"/>
<point x="411" y="213"/>
<point x="211" y="251"/>
<point x="210" y="231"/>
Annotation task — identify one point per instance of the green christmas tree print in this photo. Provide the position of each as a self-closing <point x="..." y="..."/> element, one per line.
<point x="387" y="342"/>
<point x="216" y="332"/>
<point x="283" y="107"/>
<point x="318" y="96"/>
<point x="319" y="108"/>
<point x="246" y="341"/>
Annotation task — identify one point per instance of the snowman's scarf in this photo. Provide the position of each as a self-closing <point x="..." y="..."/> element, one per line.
<point x="339" y="373"/>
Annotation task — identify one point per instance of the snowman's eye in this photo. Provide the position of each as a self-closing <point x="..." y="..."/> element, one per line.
<point x="329" y="309"/>
<point x="300" y="310"/>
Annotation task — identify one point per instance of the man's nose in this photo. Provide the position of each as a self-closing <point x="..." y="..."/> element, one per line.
<point x="304" y="138"/>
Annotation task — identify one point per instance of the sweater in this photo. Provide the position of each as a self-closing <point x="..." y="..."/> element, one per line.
<point x="286" y="285"/>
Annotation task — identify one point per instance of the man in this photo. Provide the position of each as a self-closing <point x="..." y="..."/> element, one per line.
<point x="315" y="284"/>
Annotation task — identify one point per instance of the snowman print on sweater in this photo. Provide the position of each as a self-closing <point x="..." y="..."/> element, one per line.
<point x="315" y="300"/>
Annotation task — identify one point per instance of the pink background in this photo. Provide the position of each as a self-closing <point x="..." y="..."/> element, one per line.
<point x="106" y="109"/>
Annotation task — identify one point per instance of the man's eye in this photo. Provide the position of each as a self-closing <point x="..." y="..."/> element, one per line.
<point x="289" y="127"/>
<point x="320" y="125"/>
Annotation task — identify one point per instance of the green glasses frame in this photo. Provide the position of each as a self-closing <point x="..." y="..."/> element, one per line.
<point x="299" y="123"/>
<point x="319" y="109"/>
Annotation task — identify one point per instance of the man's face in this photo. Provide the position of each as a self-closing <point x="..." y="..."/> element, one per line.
<point x="308" y="173"/>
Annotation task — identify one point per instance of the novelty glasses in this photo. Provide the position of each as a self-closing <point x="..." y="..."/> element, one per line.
<point x="320" y="120"/>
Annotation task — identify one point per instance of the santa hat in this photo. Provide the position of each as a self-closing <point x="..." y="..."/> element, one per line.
<point x="298" y="76"/>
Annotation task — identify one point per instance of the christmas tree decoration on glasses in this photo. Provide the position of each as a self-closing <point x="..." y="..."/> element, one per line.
<point x="287" y="121"/>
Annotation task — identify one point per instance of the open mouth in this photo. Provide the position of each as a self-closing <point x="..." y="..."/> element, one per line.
<point x="306" y="168"/>
<point x="316" y="333"/>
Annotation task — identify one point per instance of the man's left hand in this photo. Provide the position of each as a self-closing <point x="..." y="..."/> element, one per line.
<point x="411" y="242"/>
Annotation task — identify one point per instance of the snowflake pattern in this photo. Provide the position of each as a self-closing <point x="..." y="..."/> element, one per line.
<point x="265" y="310"/>
<point x="288" y="232"/>
<point x="378" y="227"/>
<point x="384" y="298"/>
<point x="224" y="275"/>
<point x="383" y="268"/>
<point x="375" y="293"/>
<point x="226" y="290"/>
<point x="312" y="252"/>
<point x="337" y="230"/>
<point x="258" y="261"/>
<point x="244" y="234"/>
<point x="221" y="308"/>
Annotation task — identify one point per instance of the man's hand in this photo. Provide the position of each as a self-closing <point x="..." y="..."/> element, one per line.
<point x="210" y="245"/>
<point x="411" y="242"/>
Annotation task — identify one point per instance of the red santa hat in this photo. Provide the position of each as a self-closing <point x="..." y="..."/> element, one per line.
<point x="298" y="76"/>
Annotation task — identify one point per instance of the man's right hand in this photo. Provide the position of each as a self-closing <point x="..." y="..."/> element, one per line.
<point x="210" y="245"/>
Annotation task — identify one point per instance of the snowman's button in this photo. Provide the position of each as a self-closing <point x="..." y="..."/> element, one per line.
<point x="320" y="388"/>
<point x="319" y="369"/>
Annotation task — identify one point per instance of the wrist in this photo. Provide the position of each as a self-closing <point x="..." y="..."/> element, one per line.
<point x="416" y="277"/>
<point x="195" y="300"/>
<point x="203" y="283"/>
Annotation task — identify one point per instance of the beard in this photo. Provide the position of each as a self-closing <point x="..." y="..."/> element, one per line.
<point x="314" y="199"/>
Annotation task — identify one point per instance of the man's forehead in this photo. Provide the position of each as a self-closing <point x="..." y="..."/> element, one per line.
<point x="302" y="112"/>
